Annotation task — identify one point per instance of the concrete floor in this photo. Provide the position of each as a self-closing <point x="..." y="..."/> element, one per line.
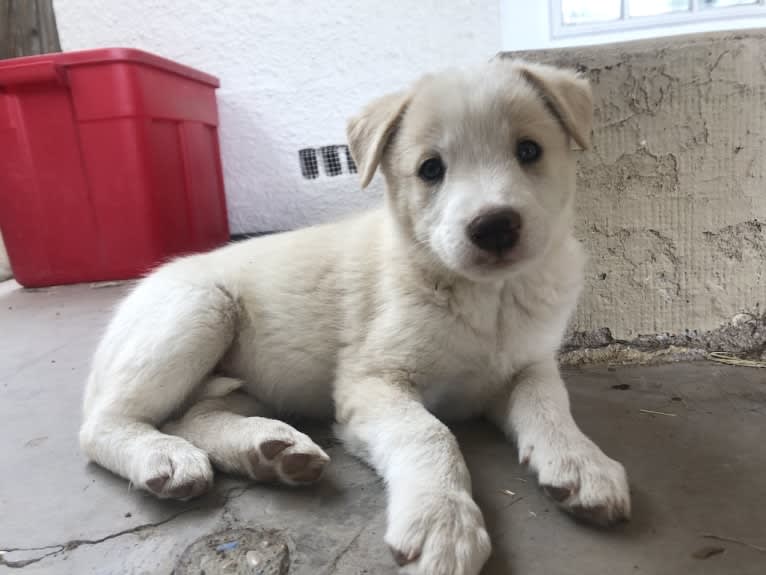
<point x="700" y="471"/>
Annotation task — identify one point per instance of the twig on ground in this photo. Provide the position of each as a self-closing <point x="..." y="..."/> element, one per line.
<point x="657" y="412"/>
<point x="731" y="359"/>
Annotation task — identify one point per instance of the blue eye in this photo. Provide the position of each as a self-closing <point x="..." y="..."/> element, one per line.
<point x="528" y="151"/>
<point x="432" y="170"/>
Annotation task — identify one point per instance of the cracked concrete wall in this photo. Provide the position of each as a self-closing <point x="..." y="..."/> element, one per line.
<point x="672" y="205"/>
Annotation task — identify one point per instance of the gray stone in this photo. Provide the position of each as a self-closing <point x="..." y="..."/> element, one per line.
<point x="237" y="552"/>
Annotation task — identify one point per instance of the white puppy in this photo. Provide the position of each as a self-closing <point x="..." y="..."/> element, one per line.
<point x="450" y="302"/>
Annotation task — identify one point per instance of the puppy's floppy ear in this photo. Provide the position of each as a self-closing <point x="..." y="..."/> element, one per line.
<point x="369" y="132"/>
<point x="567" y="94"/>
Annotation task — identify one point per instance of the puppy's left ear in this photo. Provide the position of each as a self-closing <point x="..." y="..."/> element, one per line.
<point x="567" y="94"/>
<point x="370" y="131"/>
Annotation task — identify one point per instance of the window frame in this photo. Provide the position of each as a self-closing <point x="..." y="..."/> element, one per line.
<point x="696" y="14"/>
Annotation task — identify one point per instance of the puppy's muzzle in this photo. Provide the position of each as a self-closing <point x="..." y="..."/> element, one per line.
<point x="495" y="231"/>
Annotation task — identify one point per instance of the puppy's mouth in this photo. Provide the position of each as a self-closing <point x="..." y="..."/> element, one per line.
<point x="497" y="260"/>
<point x="474" y="263"/>
<point x="489" y="262"/>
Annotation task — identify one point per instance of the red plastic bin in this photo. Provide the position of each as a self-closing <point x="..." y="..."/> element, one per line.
<point x="109" y="164"/>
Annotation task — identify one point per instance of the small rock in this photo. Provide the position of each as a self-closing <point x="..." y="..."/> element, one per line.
<point x="228" y="546"/>
<point x="240" y="551"/>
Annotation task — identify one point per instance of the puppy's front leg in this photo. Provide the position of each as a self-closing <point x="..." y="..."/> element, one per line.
<point x="569" y="466"/>
<point x="434" y="526"/>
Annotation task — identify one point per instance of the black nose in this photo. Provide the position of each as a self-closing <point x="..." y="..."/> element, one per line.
<point x="496" y="230"/>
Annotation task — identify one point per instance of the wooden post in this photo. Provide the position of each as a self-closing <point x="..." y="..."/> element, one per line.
<point x="27" y="27"/>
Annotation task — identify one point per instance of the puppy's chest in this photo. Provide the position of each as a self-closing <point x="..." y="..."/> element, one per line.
<point x="475" y="356"/>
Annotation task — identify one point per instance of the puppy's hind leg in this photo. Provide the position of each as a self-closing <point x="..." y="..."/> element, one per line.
<point x="231" y="427"/>
<point x="165" y="339"/>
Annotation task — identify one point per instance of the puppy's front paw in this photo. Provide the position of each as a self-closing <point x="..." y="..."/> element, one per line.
<point x="439" y="533"/>
<point x="580" y="478"/>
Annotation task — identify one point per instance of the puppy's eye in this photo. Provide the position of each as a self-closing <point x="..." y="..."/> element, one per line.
<point x="432" y="170"/>
<point x="528" y="151"/>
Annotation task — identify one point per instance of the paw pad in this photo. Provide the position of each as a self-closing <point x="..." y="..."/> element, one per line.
<point x="292" y="461"/>
<point x="155" y="484"/>
<point x="192" y="488"/>
<point x="558" y="494"/>
<point x="273" y="447"/>
<point x="403" y="558"/>
<point x="599" y="515"/>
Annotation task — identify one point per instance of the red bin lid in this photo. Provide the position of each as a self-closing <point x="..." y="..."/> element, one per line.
<point x="101" y="56"/>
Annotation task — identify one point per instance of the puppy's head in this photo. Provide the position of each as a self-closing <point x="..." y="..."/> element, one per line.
<point x="479" y="164"/>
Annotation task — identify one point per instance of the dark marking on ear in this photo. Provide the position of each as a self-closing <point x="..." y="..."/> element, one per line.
<point x="549" y="105"/>
<point x="369" y="133"/>
<point x="567" y="95"/>
<point x="393" y="131"/>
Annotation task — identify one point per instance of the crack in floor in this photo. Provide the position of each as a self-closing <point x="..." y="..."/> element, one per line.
<point x="58" y="548"/>
<point x="342" y="553"/>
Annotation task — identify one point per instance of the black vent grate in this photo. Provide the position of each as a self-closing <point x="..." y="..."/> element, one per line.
<point x="335" y="160"/>
<point x="309" y="164"/>
<point x="331" y="161"/>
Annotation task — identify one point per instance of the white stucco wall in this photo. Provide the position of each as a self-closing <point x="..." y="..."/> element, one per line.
<point x="292" y="71"/>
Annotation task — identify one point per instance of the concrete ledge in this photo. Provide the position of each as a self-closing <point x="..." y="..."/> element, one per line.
<point x="672" y="196"/>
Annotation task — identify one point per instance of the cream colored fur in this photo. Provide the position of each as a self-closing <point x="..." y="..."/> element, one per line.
<point x="389" y="322"/>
